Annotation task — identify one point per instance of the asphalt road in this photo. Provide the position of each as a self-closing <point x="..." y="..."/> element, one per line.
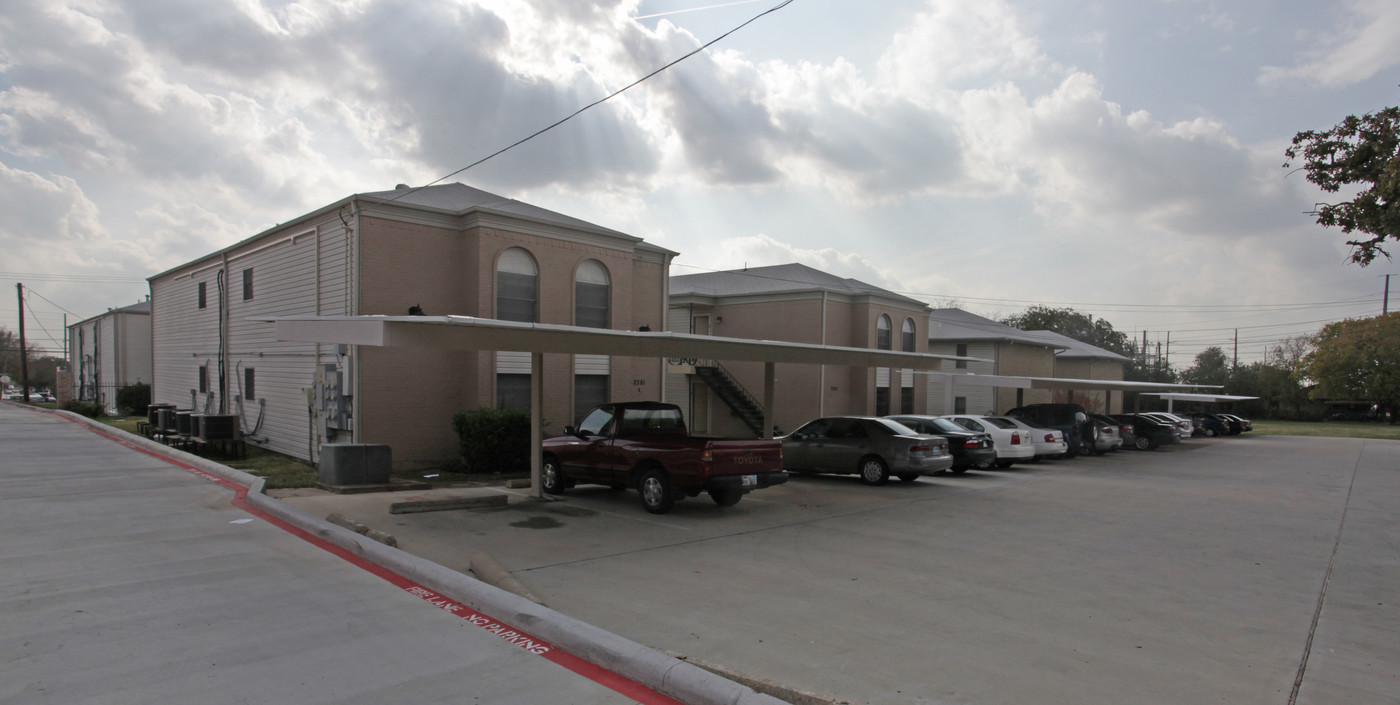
<point x="1223" y="570"/>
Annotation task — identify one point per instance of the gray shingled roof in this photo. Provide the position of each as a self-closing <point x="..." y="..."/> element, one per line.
<point x="955" y="324"/>
<point x="1076" y="348"/>
<point x="776" y="279"/>
<point x="461" y="198"/>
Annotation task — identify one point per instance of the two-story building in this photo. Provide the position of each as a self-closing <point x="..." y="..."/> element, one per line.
<point x="1012" y="353"/>
<point x="107" y="352"/>
<point x="792" y="303"/>
<point x="440" y="250"/>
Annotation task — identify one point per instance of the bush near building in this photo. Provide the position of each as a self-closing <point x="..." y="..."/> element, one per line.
<point x="494" y="440"/>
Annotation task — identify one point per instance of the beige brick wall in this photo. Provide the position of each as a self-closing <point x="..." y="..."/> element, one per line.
<point x="407" y="397"/>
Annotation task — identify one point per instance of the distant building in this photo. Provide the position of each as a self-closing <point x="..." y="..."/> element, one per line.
<point x="791" y="303"/>
<point x="107" y="352"/>
<point x="441" y="250"/>
<point x="1080" y="360"/>
<point x="1012" y="352"/>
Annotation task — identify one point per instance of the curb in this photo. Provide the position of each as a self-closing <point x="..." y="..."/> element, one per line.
<point x="646" y="666"/>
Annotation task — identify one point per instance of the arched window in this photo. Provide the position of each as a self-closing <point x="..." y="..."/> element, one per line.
<point x="882" y="333"/>
<point x="906" y="340"/>
<point x="592" y="296"/>
<point x="517" y="284"/>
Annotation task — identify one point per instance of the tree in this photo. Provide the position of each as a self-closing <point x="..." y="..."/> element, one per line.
<point x="9" y="357"/>
<point x="1358" y="152"/>
<point x="1211" y="367"/>
<point x="1283" y="380"/>
<point x="1073" y="324"/>
<point x="1357" y="359"/>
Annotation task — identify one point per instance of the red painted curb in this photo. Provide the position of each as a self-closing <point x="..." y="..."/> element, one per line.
<point x="524" y="640"/>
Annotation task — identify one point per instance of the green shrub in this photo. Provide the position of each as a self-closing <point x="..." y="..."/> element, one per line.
<point x="494" y="440"/>
<point x="133" y="399"/>
<point x="86" y="408"/>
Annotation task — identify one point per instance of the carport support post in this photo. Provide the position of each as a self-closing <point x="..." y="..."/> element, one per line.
<point x="536" y="423"/>
<point x="768" y="379"/>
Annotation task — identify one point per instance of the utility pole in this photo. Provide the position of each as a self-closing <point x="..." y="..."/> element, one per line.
<point x="23" y="353"/>
<point x="1169" y="350"/>
<point x="1236" y="363"/>
<point x="1385" y="300"/>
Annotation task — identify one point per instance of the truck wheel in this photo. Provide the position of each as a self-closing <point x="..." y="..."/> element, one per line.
<point x="551" y="478"/>
<point x="726" y="497"/>
<point x="908" y="476"/>
<point x="873" y="471"/>
<point x="655" y="488"/>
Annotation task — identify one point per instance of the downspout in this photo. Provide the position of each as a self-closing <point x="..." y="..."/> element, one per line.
<point x="353" y="359"/>
<point x="821" y="369"/>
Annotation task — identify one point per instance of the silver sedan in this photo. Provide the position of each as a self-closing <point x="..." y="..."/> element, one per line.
<point x="873" y="448"/>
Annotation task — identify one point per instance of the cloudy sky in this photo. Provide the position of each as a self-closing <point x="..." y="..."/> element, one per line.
<point x="1124" y="159"/>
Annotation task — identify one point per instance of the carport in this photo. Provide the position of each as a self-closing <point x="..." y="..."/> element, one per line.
<point x="468" y="333"/>
<point x="1204" y="398"/>
<point x="1163" y="389"/>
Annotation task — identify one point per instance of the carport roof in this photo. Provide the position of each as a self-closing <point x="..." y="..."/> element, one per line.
<point x="467" y="333"/>
<point x="1013" y="382"/>
<point x="1208" y="398"/>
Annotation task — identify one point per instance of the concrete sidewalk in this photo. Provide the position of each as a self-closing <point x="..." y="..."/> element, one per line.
<point x="129" y="579"/>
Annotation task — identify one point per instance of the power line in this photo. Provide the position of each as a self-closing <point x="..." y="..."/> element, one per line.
<point x="595" y="103"/>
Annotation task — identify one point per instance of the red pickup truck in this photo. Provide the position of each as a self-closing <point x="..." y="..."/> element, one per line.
<point x="644" y="445"/>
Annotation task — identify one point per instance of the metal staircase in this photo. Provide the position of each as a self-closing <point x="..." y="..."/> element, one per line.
<point x="733" y="394"/>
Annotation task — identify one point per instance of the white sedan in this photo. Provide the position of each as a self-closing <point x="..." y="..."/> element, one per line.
<point x="1012" y="442"/>
<point x="1049" y="442"/>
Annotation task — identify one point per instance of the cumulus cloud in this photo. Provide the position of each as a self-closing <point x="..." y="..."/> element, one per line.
<point x="761" y="251"/>
<point x="1365" y="45"/>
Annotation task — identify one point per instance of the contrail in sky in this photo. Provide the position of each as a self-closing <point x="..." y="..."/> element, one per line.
<point x="696" y="9"/>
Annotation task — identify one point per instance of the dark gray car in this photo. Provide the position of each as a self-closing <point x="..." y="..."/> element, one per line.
<point x="873" y="448"/>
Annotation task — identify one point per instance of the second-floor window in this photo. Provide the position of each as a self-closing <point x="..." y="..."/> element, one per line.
<point x="961" y="352"/>
<point x="592" y="296"/>
<point x="906" y="337"/>
<point x="882" y="333"/>
<point x="517" y="286"/>
<point x="248" y="284"/>
<point x="202" y="298"/>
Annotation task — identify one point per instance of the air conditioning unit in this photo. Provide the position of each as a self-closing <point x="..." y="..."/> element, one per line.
<point x="153" y="413"/>
<point x="217" y="428"/>
<point x="165" y="420"/>
<point x="184" y="423"/>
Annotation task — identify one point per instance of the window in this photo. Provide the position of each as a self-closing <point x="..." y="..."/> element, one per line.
<point x="203" y="298"/>
<point x="590" y="391"/>
<point x="906" y="400"/>
<point x="248" y="284"/>
<point x="203" y="376"/>
<point x="598" y="423"/>
<point x="906" y="337"/>
<point x="882" y="401"/>
<point x="961" y="352"/>
<point x="249" y="393"/>
<point x="882" y="333"/>
<point x="517" y="278"/>
<point x="513" y="391"/>
<point x="960" y="405"/>
<point x="592" y="296"/>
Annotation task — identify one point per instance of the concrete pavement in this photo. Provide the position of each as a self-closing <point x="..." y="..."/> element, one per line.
<point x="130" y="578"/>
<point x="1189" y="575"/>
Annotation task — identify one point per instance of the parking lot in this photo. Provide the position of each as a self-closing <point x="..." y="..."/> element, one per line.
<point x="1188" y="575"/>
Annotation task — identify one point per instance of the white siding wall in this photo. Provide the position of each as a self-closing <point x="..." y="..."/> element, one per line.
<point x="304" y="276"/>
<point x="979" y="399"/>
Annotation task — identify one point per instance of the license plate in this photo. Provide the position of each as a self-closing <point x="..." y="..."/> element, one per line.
<point x="750" y="481"/>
